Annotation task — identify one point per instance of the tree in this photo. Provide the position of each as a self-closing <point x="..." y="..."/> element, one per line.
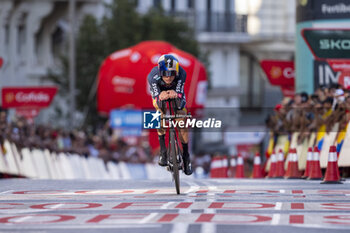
<point x="122" y="27"/>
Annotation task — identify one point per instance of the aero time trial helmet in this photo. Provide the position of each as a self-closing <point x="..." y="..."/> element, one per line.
<point x="168" y="65"/>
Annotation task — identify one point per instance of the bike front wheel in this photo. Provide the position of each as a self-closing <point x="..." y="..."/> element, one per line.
<point x="173" y="156"/>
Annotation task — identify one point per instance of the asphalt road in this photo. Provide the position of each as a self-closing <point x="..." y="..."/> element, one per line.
<point x="207" y="205"/>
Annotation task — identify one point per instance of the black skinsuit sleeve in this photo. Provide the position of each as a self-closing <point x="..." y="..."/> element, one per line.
<point x="181" y="103"/>
<point x="152" y="79"/>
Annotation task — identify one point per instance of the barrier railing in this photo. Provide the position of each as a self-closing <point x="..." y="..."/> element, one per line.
<point x="291" y="156"/>
<point x="43" y="164"/>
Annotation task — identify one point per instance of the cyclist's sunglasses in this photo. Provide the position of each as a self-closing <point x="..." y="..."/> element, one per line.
<point x="167" y="73"/>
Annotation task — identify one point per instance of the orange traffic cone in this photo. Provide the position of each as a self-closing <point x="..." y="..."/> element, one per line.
<point x="315" y="172"/>
<point x="240" y="167"/>
<point x="308" y="164"/>
<point x="257" y="166"/>
<point x="293" y="170"/>
<point x="332" y="172"/>
<point x="280" y="164"/>
<point x="232" y="168"/>
<point x="217" y="167"/>
<point x="273" y="164"/>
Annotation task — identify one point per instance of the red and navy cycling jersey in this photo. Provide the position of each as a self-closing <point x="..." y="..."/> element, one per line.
<point x="157" y="85"/>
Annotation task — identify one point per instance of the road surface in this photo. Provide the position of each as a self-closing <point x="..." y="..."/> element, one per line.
<point x="205" y="205"/>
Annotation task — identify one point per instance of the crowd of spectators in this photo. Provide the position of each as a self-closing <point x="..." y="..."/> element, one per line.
<point x="327" y="107"/>
<point x="102" y="143"/>
<point x="322" y="111"/>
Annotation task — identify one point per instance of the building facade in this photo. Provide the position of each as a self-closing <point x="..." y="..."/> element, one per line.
<point x="236" y="35"/>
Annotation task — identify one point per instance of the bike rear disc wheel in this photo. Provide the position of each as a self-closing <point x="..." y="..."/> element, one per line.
<point x="173" y="155"/>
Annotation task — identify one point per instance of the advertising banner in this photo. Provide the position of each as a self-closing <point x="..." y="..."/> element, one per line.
<point x="129" y="121"/>
<point x="308" y="10"/>
<point x="328" y="43"/>
<point x="126" y="118"/>
<point x="28" y="113"/>
<point x="288" y="91"/>
<point x="122" y="78"/>
<point x="34" y="97"/>
<point x="280" y="73"/>
<point x="331" y="72"/>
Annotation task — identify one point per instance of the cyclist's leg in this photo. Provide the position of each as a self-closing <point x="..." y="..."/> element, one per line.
<point x="161" y="136"/>
<point x="183" y="136"/>
<point x="183" y="132"/>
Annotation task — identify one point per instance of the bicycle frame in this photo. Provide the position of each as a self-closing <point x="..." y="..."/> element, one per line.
<point x="175" y="162"/>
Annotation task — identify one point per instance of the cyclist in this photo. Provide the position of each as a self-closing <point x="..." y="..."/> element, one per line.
<point x="167" y="81"/>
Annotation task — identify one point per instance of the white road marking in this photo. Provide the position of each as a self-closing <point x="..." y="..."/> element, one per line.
<point x="166" y="205"/>
<point x="185" y="211"/>
<point x="209" y="211"/>
<point x="6" y="192"/>
<point x="193" y="187"/>
<point x="278" y="206"/>
<point x="22" y="219"/>
<point x="57" y="206"/>
<point x="97" y="226"/>
<point x="208" y="228"/>
<point x="179" y="228"/>
<point x="275" y="219"/>
<point x="148" y="218"/>
<point x="211" y="193"/>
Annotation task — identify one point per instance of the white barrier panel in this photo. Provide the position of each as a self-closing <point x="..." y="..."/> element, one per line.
<point x="98" y="169"/>
<point x="66" y="166"/>
<point x="302" y="150"/>
<point x="46" y="156"/>
<point x="55" y="163"/>
<point x="92" y="168"/>
<point x="113" y="170"/>
<point x="124" y="171"/>
<point x="80" y="166"/>
<point x="11" y="160"/>
<point x="103" y="171"/>
<point x="328" y="141"/>
<point x="344" y="158"/>
<point x="29" y="169"/>
<point x="3" y="163"/>
<point x="86" y="168"/>
<point x="42" y="165"/>
<point x="51" y="164"/>
<point x="154" y="171"/>
<point x="18" y="159"/>
<point x="76" y="167"/>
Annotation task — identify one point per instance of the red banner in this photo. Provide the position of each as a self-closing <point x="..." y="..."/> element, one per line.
<point x="339" y="64"/>
<point x="279" y="73"/>
<point x="288" y="91"/>
<point x="28" y="113"/>
<point x="34" y="97"/>
<point x="343" y="67"/>
<point x="1" y="62"/>
<point x="122" y="78"/>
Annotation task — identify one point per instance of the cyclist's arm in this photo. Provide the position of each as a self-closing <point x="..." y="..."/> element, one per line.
<point x="154" y="88"/>
<point x="180" y="85"/>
